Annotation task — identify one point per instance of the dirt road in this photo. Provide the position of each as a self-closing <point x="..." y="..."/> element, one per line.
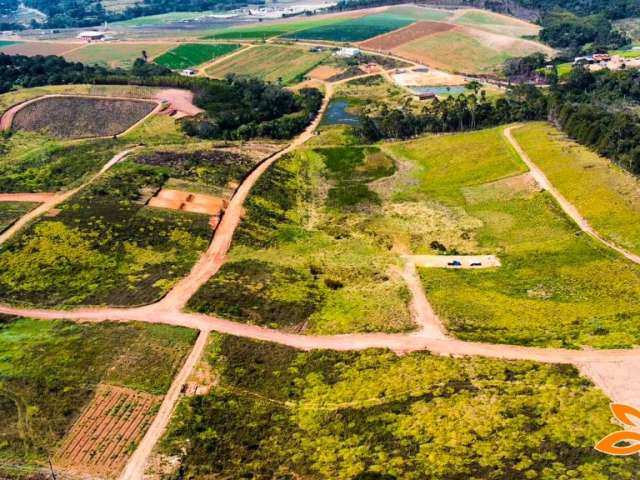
<point x="568" y="208"/>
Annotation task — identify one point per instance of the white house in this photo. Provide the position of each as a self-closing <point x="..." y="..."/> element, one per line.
<point x="91" y="36"/>
<point x="347" y="52"/>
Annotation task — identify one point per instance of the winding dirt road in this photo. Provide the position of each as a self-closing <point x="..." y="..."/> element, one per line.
<point x="568" y="208"/>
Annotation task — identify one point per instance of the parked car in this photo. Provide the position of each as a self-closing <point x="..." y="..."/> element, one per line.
<point x="476" y="264"/>
<point x="455" y="263"/>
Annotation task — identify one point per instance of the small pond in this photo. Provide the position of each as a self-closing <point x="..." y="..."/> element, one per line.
<point x="337" y="114"/>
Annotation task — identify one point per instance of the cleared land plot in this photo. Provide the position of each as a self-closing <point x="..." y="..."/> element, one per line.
<point x="354" y="30"/>
<point x="324" y="72"/>
<point x="12" y="211"/>
<point x="193" y="54"/>
<point x="467" y="50"/>
<point x="282" y="413"/>
<point x="116" y="54"/>
<point x="269" y="62"/>
<point x="103" y="438"/>
<point x="31" y="49"/>
<point x="78" y="117"/>
<point x="50" y="372"/>
<point x="607" y="196"/>
<point x="308" y="256"/>
<point x="556" y="286"/>
<point x="497" y="23"/>
<point x="405" y="35"/>
<point x="106" y="246"/>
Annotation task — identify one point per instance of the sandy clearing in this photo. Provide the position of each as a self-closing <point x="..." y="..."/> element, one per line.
<point x="443" y="261"/>
<point x="568" y="207"/>
<point x="432" y="77"/>
<point x="26" y="197"/>
<point x="618" y="379"/>
<point x="324" y="72"/>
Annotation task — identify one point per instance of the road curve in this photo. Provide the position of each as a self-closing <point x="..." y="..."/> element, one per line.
<point x="567" y="206"/>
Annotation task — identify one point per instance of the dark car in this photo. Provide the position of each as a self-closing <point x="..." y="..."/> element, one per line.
<point x="455" y="263"/>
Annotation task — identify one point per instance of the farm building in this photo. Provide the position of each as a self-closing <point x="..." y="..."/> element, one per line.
<point x="91" y="36"/>
<point x="188" y="72"/>
<point x="347" y="52"/>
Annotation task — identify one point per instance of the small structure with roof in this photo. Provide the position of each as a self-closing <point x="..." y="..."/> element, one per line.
<point x="91" y="36"/>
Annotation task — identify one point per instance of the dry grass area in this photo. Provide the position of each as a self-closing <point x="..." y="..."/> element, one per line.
<point x="504" y="189"/>
<point x="324" y="72"/>
<point x="78" y="117"/>
<point x="107" y="432"/>
<point x="31" y="49"/>
<point x="116" y="55"/>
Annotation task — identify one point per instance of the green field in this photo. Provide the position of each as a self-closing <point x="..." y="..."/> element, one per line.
<point x="193" y="54"/>
<point x="309" y="256"/>
<point x="355" y="30"/>
<point x="6" y="43"/>
<point x="12" y="211"/>
<point x="556" y="287"/>
<point x="116" y="54"/>
<point x="264" y="31"/>
<point x="496" y="23"/>
<point x="49" y="371"/>
<point x="280" y="413"/>
<point x="607" y="196"/>
<point x="420" y="13"/>
<point x="161" y="19"/>
<point x="273" y="63"/>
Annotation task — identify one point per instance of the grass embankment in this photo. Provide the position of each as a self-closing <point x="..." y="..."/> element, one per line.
<point x="607" y="196"/>
<point x="105" y="246"/>
<point x="306" y="257"/>
<point x="49" y="371"/>
<point x="280" y="413"/>
<point x="556" y="286"/>
<point x="193" y="54"/>
<point x="275" y="63"/>
<point x="116" y="55"/>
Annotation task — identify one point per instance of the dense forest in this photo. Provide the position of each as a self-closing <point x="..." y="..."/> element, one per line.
<point x="455" y="114"/>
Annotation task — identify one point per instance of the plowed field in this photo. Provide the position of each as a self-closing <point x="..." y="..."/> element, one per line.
<point x="412" y="32"/>
<point x="102" y="439"/>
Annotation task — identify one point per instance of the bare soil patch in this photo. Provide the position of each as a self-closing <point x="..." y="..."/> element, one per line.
<point x="104" y="436"/>
<point x="31" y="49"/>
<point x="189" y="202"/>
<point x="404" y="35"/>
<point x="80" y="117"/>
<point x="324" y="72"/>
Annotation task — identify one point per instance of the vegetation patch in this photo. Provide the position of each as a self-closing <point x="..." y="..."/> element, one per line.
<point x="105" y="246"/>
<point x="263" y="32"/>
<point x="12" y="211"/>
<point x="314" y="254"/>
<point x="556" y="287"/>
<point x="50" y="370"/>
<point x="281" y="413"/>
<point x="76" y="117"/>
<point x="192" y="54"/>
<point x="116" y="55"/>
<point x="354" y="30"/>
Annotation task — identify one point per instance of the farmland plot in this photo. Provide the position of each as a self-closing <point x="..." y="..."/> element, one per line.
<point x="354" y="30"/>
<point x="31" y="49"/>
<point x="193" y="54"/>
<point x="116" y="55"/>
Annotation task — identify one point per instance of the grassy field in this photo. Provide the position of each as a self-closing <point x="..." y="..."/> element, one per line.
<point x="116" y="54"/>
<point x="12" y="211"/>
<point x="466" y="50"/>
<point x="606" y="195"/>
<point x="556" y="287"/>
<point x="31" y="49"/>
<point x="280" y="413"/>
<point x="49" y="371"/>
<point x="354" y="30"/>
<point x="497" y="23"/>
<point x="105" y="246"/>
<point x="77" y="117"/>
<point x="270" y="62"/>
<point x="308" y="257"/>
<point x="264" y="31"/>
<point x="161" y="19"/>
<point x="6" y="43"/>
<point x="420" y="13"/>
<point x="368" y="95"/>
<point x="193" y="54"/>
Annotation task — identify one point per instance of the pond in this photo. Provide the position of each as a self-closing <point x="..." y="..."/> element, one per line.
<point x="440" y="89"/>
<point x="337" y="114"/>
